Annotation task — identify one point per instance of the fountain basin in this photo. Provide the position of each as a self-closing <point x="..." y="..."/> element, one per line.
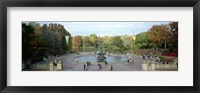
<point x="94" y="59"/>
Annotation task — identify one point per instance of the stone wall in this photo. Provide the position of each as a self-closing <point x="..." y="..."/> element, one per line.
<point x="40" y="66"/>
<point x="152" y="66"/>
<point x="55" y="65"/>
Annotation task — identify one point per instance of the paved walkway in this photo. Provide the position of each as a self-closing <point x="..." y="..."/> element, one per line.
<point x="70" y="65"/>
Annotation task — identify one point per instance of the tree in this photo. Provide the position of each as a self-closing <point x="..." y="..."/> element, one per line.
<point x="159" y="35"/>
<point x="174" y="37"/>
<point x="78" y="42"/>
<point x="60" y="28"/>
<point x="142" y="40"/>
<point x="54" y="40"/>
<point x="106" y="41"/>
<point x="94" y="40"/>
<point x="117" y="43"/>
<point x="86" y="41"/>
<point x="127" y="42"/>
<point x="27" y="37"/>
<point x="38" y="30"/>
<point x="39" y="41"/>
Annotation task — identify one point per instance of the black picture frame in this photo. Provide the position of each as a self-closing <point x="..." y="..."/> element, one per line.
<point x="98" y="3"/>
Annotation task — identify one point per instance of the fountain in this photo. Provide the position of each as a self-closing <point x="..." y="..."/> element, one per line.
<point x="100" y="54"/>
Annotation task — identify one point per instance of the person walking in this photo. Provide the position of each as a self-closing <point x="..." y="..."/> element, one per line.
<point x="84" y="66"/>
<point x="106" y="63"/>
<point x="143" y="56"/>
<point x="99" y="66"/>
<point x="111" y="67"/>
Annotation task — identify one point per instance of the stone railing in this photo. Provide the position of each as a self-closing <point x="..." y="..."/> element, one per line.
<point x="152" y="66"/>
<point x="165" y="67"/>
<point x="40" y="66"/>
<point x="55" y="65"/>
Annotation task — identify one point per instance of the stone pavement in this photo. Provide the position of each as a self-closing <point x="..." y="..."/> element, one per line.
<point x="70" y="65"/>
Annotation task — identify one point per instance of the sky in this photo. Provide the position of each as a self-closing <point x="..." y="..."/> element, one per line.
<point x="106" y="28"/>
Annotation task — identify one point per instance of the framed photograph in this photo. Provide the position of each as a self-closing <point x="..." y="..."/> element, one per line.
<point x="99" y="46"/>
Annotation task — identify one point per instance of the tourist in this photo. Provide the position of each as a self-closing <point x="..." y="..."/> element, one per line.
<point x="87" y="63"/>
<point x="129" y="60"/>
<point x="143" y="56"/>
<point x="99" y="66"/>
<point x="84" y="66"/>
<point x="106" y="63"/>
<point x="111" y="67"/>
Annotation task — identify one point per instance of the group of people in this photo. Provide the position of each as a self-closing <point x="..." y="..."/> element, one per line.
<point x="86" y="66"/>
<point x="165" y="62"/>
<point x="99" y="66"/>
<point x="110" y="67"/>
<point x="130" y="60"/>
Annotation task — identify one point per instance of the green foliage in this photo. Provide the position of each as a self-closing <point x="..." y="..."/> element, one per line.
<point x="107" y="42"/>
<point x="86" y="41"/>
<point x="127" y="42"/>
<point x="94" y="40"/>
<point x="142" y="41"/>
<point x="161" y="58"/>
<point x="117" y="42"/>
<point x="114" y="44"/>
